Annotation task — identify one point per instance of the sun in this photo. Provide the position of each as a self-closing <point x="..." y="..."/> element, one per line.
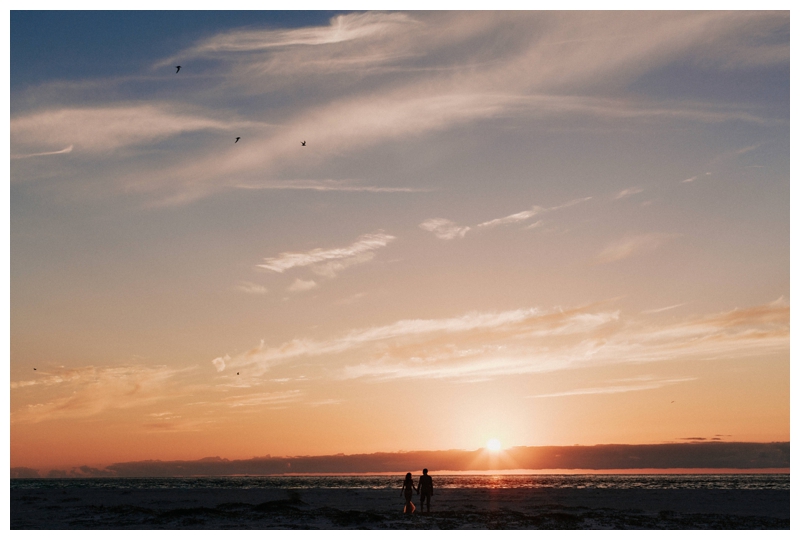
<point x="493" y="445"/>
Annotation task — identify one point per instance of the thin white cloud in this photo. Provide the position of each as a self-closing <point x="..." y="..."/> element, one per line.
<point x="89" y="391"/>
<point x="628" y="192"/>
<point x="617" y="388"/>
<point x="448" y="230"/>
<point x="444" y="229"/>
<point x="251" y="288"/>
<point x="627" y="246"/>
<point x="330" y="185"/>
<point x="480" y="346"/>
<point x="66" y="150"/>
<point x="474" y="322"/>
<point x="417" y="73"/>
<point x="527" y="214"/>
<point x="100" y="129"/>
<point x="219" y="362"/>
<point x="747" y="149"/>
<point x="559" y="341"/>
<point x="264" y="400"/>
<point x="301" y="285"/>
<point x="325" y="402"/>
<point x="535" y="224"/>
<point x="364" y="244"/>
<point x="342" y="28"/>
<point x="660" y="310"/>
<point x="693" y="178"/>
<point x="642" y="111"/>
<point x="513" y="218"/>
<point x="331" y="268"/>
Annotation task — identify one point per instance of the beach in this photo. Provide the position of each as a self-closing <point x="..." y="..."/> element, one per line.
<point x="457" y="508"/>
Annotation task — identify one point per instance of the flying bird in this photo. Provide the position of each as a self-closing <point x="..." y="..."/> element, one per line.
<point x="34" y="369"/>
<point x="177" y="69"/>
<point x="303" y="143"/>
<point x="237" y="372"/>
<point x="237" y="140"/>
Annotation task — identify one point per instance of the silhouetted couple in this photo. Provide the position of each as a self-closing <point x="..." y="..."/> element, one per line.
<point x="425" y="489"/>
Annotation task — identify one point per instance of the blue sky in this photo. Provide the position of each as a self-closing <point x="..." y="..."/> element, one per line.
<point x="78" y="44"/>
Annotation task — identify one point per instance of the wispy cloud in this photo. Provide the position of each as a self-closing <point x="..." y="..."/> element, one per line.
<point x="448" y="230"/>
<point x="513" y="218"/>
<point x="627" y="246"/>
<point x="444" y="228"/>
<point x="329" y="185"/>
<point x="251" y="288"/>
<point x="535" y="224"/>
<point x="363" y="245"/>
<point x="628" y="192"/>
<point x="101" y="129"/>
<point x="342" y="28"/>
<point x="415" y="74"/>
<point x="401" y="329"/>
<point x="491" y="344"/>
<point x="264" y="400"/>
<point x="693" y="178"/>
<point x="219" y="362"/>
<point x="659" y="310"/>
<point x="560" y="341"/>
<point x="527" y="214"/>
<point x="301" y="285"/>
<point x="616" y="388"/>
<point x="88" y="391"/>
<point x="66" y="150"/>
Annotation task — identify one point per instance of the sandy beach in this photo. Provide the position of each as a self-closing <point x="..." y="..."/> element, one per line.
<point x="515" y="508"/>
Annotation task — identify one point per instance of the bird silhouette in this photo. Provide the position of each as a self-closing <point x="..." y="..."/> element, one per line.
<point x="237" y="372"/>
<point x="237" y="140"/>
<point x="177" y="69"/>
<point x="34" y="369"/>
<point x="303" y="143"/>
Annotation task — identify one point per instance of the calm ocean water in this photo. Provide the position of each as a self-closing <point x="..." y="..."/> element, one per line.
<point x="587" y="481"/>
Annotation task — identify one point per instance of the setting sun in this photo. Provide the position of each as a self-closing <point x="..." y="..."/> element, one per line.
<point x="493" y="445"/>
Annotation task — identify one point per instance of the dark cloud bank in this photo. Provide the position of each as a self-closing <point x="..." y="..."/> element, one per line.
<point x="698" y="455"/>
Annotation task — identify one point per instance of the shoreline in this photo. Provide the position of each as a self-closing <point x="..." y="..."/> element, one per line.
<point x="452" y="508"/>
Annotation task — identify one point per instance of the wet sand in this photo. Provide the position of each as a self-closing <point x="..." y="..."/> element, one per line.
<point x="514" y="508"/>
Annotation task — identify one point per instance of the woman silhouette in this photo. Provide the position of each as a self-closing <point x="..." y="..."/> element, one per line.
<point x="408" y="490"/>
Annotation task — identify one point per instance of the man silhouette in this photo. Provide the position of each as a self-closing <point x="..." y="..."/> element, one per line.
<point x="425" y="486"/>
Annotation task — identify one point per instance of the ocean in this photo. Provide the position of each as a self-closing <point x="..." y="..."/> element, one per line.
<point x="577" y="481"/>
<point x="551" y="501"/>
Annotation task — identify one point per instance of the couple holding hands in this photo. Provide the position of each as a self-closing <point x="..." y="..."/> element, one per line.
<point x="424" y="487"/>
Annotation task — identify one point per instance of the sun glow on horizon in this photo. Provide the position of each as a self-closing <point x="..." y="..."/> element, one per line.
<point x="494" y="445"/>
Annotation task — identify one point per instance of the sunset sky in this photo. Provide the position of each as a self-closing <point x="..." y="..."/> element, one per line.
<point x="545" y="228"/>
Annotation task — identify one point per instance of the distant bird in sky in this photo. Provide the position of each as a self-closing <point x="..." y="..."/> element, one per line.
<point x="177" y="69"/>
<point x="303" y="143"/>
<point x="237" y="140"/>
<point x="34" y="369"/>
<point x="672" y="402"/>
<point x="237" y="372"/>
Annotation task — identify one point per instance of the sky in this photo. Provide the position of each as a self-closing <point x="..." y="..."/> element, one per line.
<point x="545" y="228"/>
